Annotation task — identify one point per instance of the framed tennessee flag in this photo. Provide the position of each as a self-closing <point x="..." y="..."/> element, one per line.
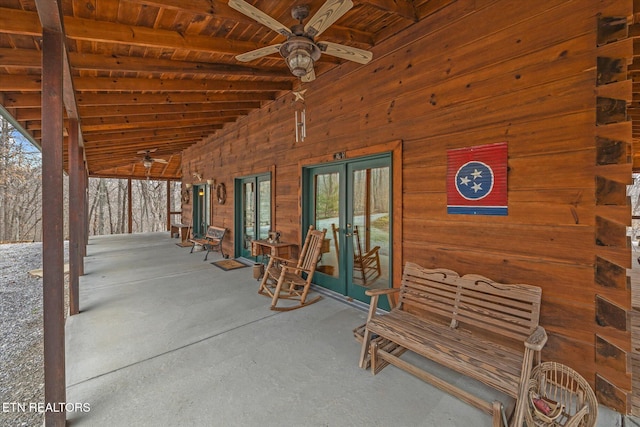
<point x="477" y="180"/>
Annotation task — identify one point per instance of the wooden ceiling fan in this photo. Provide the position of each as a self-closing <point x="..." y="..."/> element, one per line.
<point x="300" y="50"/>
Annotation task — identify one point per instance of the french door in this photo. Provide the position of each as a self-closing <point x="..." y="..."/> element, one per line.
<point x="352" y="201"/>
<point x="253" y="211"/>
<point x="201" y="209"/>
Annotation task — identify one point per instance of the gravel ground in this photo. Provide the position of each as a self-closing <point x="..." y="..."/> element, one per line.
<point x="21" y="347"/>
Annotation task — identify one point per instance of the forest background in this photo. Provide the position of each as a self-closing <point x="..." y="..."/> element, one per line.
<point x="21" y="207"/>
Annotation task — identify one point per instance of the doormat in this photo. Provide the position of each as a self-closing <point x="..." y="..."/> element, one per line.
<point x="185" y="244"/>
<point x="229" y="264"/>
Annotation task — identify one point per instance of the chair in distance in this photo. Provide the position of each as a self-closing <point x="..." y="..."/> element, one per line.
<point x="366" y="266"/>
<point x="284" y="279"/>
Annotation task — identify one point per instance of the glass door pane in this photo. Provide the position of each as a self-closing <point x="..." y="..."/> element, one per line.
<point x="371" y="220"/>
<point x="325" y="210"/>
<point x="248" y="216"/>
<point x="253" y="212"/>
<point x="264" y="201"/>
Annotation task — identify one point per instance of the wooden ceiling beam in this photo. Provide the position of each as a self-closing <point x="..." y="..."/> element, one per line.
<point x="15" y="21"/>
<point x="111" y="174"/>
<point x="99" y="99"/>
<point x="169" y="146"/>
<point x="91" y="127"/>
<point x="32" y="58"/>
<point x="85" y="100"/>
<point x="221" y="10"/>
<point x="32" y="83"/>
<point x="106" y="84"/>
<point x="121" y="63"/>
<point x="119" y="158"/>
<point x="167" y="143"/>
<point x="21" y="58"/>
<point x="21" y="100"/>
<point x="178" y="124"/>
<point x="212" y="116"/>
<point x="240" y="108"/>
<point x="152" y="133"/>
<point x="117" y="127"/>
<point x="229" y="108"/>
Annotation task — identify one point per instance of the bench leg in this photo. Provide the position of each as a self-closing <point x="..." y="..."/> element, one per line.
<point x="521" y="402"/>
<point x="374" y="356"/>
<point x="207" y="254"/>
<point x="364" y="352"/>
<point x="497" y="414"/>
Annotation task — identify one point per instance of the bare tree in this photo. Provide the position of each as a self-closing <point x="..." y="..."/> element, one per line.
<point x="21" y="209"/>
<point x="20" y="186"/>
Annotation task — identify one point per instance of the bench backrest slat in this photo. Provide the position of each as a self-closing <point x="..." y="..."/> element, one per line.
<point x="215" y="232"/>
<point x="475" y="301"/>
<point x="433" y="291"/>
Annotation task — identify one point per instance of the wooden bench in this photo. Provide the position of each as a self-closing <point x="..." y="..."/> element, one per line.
<point x="485" y="330"/>
<point x="212" y="241"/>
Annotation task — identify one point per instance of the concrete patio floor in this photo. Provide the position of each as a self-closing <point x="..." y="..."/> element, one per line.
<point x="164" y="338"/>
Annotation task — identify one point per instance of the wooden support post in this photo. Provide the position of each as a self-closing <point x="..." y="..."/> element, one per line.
<point x="76" y="228"/>
<point x="168" y="205"/>
<point x="83" y="221"/>
<point x="129" y="207"/>
<point x="86" y="211"/>
<point x="52" y="227"/>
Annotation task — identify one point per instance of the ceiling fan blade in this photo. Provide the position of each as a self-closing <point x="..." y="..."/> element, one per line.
<point x="330" y="12"/>
<point x="258" y="53"/>
<point x="258" y="15"/>
<point x="160" y="161"/>
<point x="309" y="77"/>
<point x="147" y="151"/>
<point x="346" y="52"/>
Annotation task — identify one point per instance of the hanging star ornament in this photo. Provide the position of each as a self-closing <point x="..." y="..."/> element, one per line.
<point x="299" y="95"/>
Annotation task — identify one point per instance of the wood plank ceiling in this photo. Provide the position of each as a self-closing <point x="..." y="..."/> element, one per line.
<point x="162" y="75"/>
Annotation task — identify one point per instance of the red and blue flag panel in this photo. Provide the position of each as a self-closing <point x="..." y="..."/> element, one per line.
<point x="477" y="180"/>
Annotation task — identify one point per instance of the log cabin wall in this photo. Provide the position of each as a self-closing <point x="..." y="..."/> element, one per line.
<point x="480" y="72"/>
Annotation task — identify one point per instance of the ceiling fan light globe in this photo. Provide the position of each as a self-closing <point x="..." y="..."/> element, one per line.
<point x="147" y="163"/>
<point x="299" y="62"/>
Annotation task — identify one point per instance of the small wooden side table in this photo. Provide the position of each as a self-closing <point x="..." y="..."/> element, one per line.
<point x="277" y="249"/>
<point x="184" y="231"/>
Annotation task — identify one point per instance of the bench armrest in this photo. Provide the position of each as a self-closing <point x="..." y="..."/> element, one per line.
<point x="537" y="339"/>
<point x="378" y="292"/>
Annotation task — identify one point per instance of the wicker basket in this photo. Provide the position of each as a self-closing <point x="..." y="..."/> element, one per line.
<point x="571" y="401"/>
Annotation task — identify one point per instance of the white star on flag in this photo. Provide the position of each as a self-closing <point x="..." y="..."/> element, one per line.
<point x="464" y="180"/>
<point x="476" y="187"/>
<point x="476" y="174"/>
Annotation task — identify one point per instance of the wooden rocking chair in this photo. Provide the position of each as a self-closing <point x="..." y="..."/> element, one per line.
<point x="283" y="278"/>
<point x="366" y="264"/>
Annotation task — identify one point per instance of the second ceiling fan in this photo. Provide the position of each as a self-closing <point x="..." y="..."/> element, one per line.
<point x="300" y="50"/>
